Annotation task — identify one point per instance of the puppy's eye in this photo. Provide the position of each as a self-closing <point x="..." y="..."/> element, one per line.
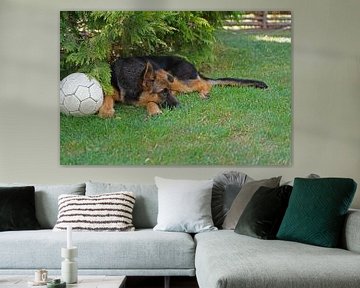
<point x="165" y="92"/>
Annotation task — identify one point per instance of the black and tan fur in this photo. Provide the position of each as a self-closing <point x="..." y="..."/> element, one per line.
<point x="138" y="83"/>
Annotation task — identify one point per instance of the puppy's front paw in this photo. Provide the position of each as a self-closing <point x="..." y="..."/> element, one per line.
<point x="155" y="113"/>
<point x="106" y="112"/>
<point x="153" y="109"/>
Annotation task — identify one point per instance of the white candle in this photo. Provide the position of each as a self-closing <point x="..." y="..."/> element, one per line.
<point x="69" y="237"/>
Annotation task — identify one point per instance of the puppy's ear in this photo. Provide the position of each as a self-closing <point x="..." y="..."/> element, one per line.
<point x="149" y="72"/>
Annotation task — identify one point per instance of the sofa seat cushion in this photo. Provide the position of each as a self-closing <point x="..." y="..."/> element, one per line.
<point x="226" y="259"/>
<point x="142" y="249"/>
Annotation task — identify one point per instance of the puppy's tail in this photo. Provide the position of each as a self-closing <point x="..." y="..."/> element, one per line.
<point x="236" y="82"/>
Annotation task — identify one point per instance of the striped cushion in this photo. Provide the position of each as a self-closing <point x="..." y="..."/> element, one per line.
<point x="105" y="212"/>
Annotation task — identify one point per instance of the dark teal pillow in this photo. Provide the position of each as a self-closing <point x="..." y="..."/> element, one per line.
<point x="17" y="208"/>
<point x="316" y="211"/>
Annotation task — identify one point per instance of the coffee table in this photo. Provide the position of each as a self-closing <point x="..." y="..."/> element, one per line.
<point x="83" y="282"/>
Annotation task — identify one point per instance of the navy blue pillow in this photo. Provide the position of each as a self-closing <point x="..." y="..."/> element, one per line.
<point x="17" y="208"/>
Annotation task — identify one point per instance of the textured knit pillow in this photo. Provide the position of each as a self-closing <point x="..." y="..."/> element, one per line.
<point x="225" y="189"/>
<point x="263" y="215"/>
<point x="184" y="205"/>
<point x="316" y="211"/>
<point x="17" y="208"/>
<point x="243" y="198"/>
<point x="146" y="205"/>
<point x="105" y="212"/>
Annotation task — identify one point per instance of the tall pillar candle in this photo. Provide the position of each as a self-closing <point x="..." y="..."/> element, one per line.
<point x="69" y="237"/>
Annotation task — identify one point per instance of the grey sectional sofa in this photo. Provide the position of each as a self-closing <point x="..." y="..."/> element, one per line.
<point x="218" y="259"/>
<point x="226" y="259"/>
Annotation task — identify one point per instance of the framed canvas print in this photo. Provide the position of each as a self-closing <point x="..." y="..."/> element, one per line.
<point x="175" y="88"/>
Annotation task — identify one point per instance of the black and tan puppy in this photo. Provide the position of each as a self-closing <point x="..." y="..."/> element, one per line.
<point x="138" y="82"/>
<point x="151" y="81"/>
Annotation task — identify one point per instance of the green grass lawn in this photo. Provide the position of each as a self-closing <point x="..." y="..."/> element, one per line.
<point x="236" y="126"/>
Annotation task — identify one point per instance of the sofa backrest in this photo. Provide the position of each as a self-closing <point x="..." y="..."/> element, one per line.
<point x="146" y="203"/>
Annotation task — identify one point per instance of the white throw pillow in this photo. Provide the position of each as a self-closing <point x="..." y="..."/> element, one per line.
<point x="184" y="205"/>
<point x="104" y="212"/>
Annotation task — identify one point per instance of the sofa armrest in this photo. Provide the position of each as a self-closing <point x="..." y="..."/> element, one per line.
<point x="351" y="234"/>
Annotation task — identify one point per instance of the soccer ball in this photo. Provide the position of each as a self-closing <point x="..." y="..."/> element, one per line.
<point x="80" y="95"/>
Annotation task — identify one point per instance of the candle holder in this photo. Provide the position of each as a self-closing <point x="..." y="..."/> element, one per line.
<point x="69" y="271"/>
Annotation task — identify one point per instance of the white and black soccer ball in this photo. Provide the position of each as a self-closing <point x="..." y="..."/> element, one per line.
<point x="80" y="95"/>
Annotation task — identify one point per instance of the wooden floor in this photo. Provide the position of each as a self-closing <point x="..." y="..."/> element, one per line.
<point x="158" y="282"/>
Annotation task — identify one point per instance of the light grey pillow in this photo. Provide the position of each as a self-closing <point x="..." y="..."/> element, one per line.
<point x="46" y="200"/>
<point x="184" y="205"/>
<point x="243" y="198"/>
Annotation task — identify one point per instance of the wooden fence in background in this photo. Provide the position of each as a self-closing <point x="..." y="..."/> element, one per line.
<point x="262" y="20"/>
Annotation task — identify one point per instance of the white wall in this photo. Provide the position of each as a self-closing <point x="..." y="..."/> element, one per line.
<point x="326" y="97"/>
